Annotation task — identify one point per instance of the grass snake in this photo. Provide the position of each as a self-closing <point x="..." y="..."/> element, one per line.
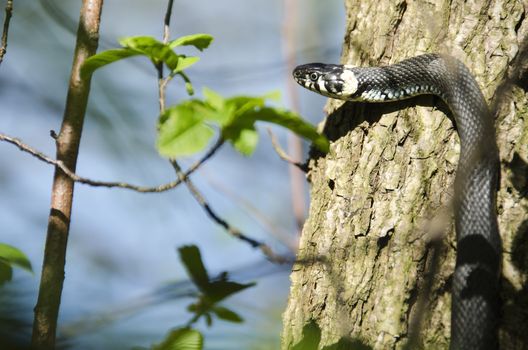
<point x="475" y="306"/>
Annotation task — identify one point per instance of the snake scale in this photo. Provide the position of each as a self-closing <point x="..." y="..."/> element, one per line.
<point x="475" y="282"/>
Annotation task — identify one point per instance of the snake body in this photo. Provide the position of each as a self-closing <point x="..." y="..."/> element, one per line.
<point x="474" y="315"/>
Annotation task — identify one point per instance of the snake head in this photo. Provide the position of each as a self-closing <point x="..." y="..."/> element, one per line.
<point x="330" y="80"/>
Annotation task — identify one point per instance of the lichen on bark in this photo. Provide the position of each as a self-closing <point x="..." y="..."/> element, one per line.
<point x="377" y="251"/>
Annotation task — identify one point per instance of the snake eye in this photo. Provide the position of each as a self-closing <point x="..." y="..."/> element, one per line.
<point x="314" y="76"/>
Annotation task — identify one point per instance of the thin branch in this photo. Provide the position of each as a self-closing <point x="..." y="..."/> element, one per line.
<point x="282" y="154"/>
<point x="143" y="189"/>
<point x="266" y="222"/>
<point x="162" y="84"/>
<point x="268" y="252"/>
<point x="3" y="41"/>
<point x="166" y="22"/>
<point x="67" y="143"/>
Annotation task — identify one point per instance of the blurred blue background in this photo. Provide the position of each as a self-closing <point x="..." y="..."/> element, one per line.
<point x="122" y="246"/>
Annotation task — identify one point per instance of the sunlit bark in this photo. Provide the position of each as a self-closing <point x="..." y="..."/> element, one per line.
<point x="377" y="251"/>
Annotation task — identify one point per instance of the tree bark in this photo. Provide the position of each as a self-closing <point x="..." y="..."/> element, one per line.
<point x="377" y="252"/>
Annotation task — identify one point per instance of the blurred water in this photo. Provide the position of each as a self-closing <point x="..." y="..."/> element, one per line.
<point x="122" y="244"/>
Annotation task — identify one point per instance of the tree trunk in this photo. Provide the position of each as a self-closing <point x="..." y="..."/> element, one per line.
<point x="377" y="251"/>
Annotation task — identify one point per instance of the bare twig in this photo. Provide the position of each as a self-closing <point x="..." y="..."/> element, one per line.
<point x="286" y="238"/>
<point x="162" y="82"/>
<point x="268" y="252"/>
<point x="67" y="142"/>
<point x="166" y="22"/>
<point x="3" y="41"/>
<point x="282" y="154"/>
<point x="143" y="189"/>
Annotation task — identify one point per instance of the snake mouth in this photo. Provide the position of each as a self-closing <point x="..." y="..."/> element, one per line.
<point x="329" y="80"/>
<point x="310" y="76"/>
<point x="303" y="82"/>
<point x="300" y="77"/>
<point x="297" y="77"/>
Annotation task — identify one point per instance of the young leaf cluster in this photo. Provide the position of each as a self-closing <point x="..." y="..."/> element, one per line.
<point x="155" y="50"/>
<point x="186" y="128"/>
<point x="211" y="290"/>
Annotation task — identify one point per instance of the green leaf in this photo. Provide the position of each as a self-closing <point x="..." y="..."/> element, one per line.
<point x="246" y="141"/>
<point x="227" y="315"/>
<point x="152" y="48"/>
<point x="195" y="308"/>
<point x="215" y="109"/>
<point x="214" y="99"/>
<point x="140" y="43"/>
<point x="250" y="110"/>
<point x="290" y="121"/>
<point x="200" y="41"/>
<point x="204" y="110"/>
<point x="184" y="63"/>
<point x="182" y="132"/>
<point x="236" y="117"/>
<point x="101" y="59"/>
<point x="245" y="103"/>
<point x="14" y="257"/>
<point x="6" y="273"/>
<point x="238" y="125"/>
<point x="273" y="95"/>
<point x="220" y="290"/>
<point x="242" y="104"/>
<point x="192" y="260"/>
<point x="181" y="339"/>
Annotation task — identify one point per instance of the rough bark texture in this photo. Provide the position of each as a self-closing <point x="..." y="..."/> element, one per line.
<point x="377" y="251"/>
